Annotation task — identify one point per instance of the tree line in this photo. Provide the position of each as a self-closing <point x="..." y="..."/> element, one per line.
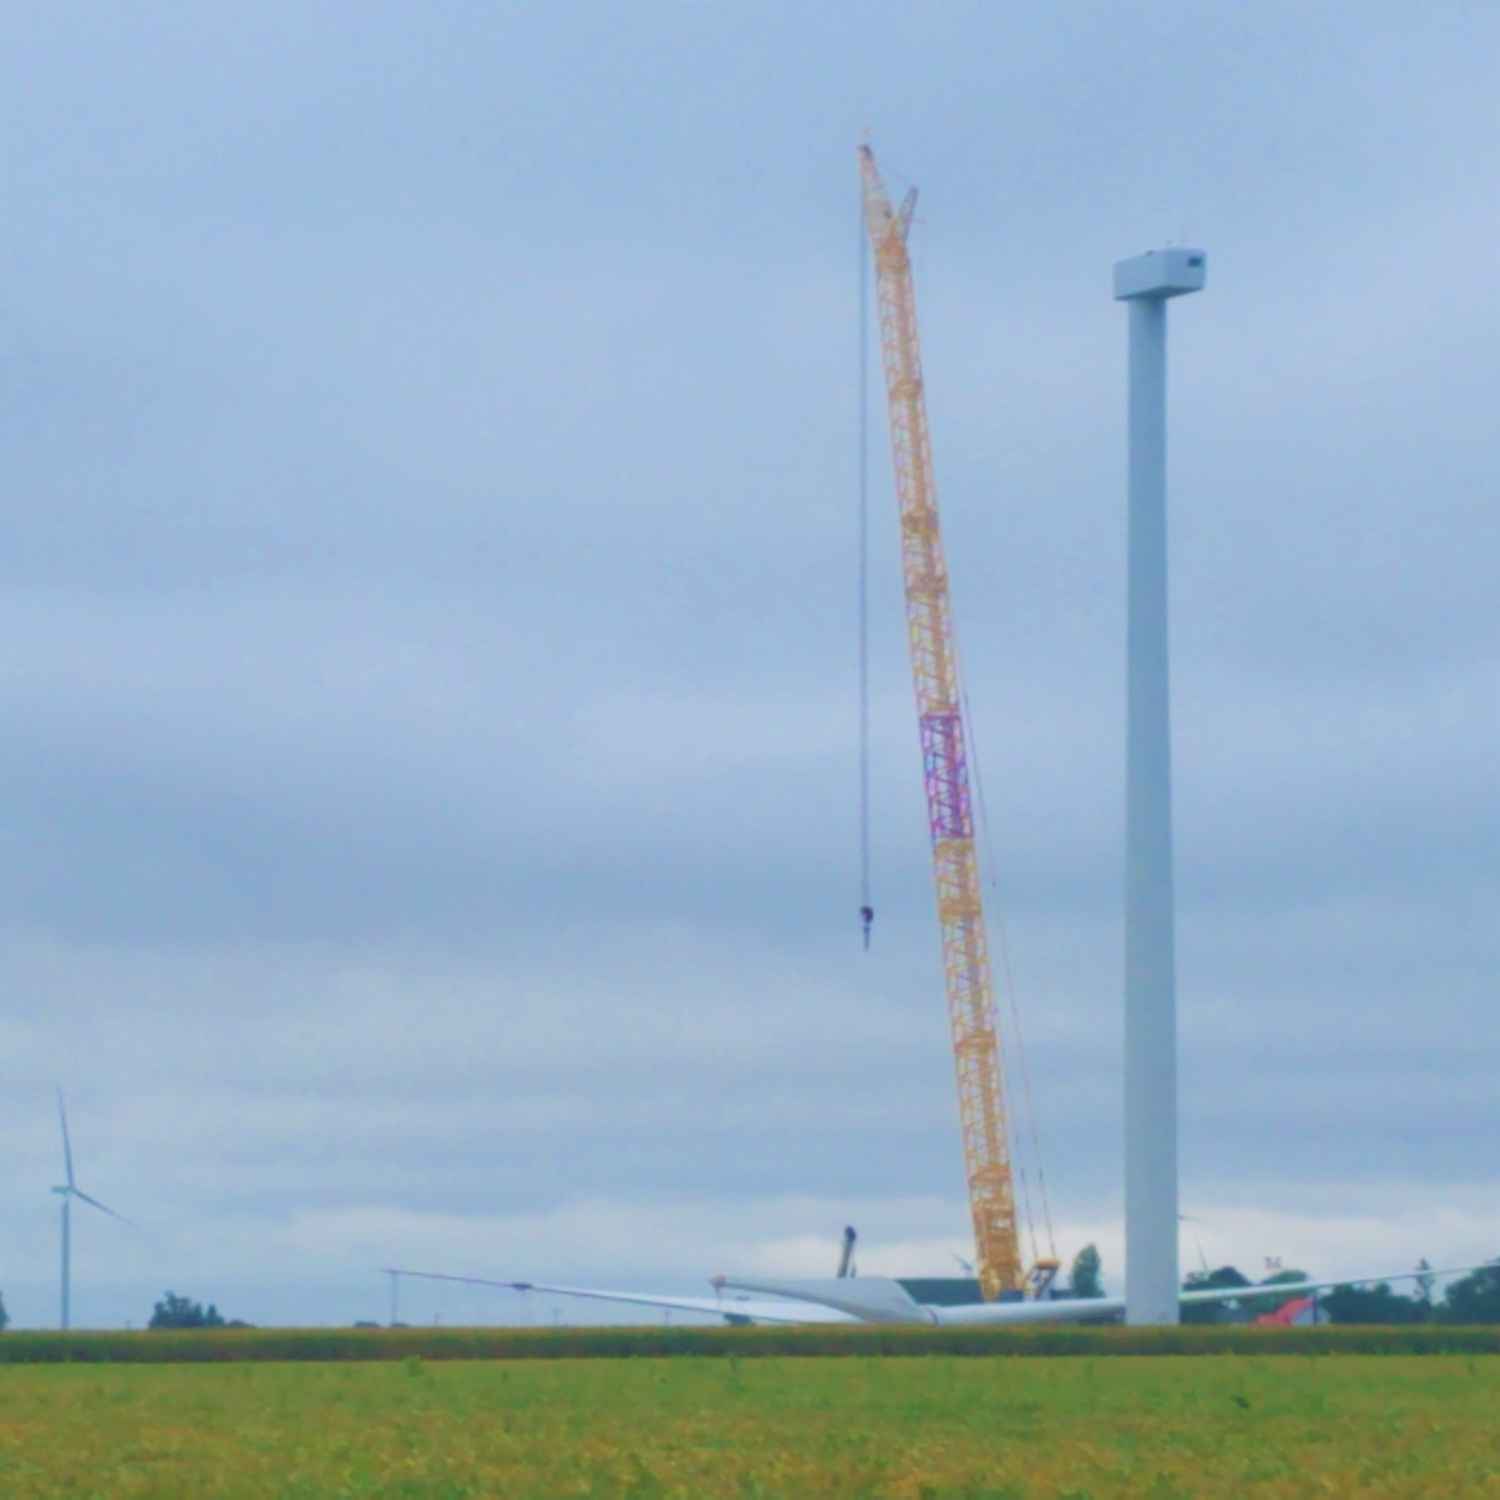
<point x="182" y="1312"/>
<point x="1474" y="1298"/>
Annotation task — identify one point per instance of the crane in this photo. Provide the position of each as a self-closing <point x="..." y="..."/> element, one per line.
<point x="968" y="979"/>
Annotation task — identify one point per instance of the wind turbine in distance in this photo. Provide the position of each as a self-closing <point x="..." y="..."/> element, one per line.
<point x="69" y="1191"/>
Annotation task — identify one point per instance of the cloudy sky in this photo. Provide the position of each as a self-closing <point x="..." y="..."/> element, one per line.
<point x="427" y="593"/>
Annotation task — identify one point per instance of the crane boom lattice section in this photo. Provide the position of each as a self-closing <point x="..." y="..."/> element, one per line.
<point x="966" y="959"/>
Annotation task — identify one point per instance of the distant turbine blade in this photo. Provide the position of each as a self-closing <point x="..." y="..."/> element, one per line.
<point x="97" y="1204"/>
<point x="514" y="1286"/>
<point x="62" y="1115"/>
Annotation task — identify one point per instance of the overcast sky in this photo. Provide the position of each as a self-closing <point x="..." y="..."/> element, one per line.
<point x="427" y="594"/>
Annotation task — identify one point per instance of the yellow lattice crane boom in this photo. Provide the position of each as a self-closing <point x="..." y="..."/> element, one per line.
<point x="929" y="618"/>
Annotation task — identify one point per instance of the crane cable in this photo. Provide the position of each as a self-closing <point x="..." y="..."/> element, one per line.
<point x="866" y="907"/>
<point x="1022" y="1069"/>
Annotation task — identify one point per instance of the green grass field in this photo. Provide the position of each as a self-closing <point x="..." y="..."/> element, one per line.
<point x="1207" y="1425"/>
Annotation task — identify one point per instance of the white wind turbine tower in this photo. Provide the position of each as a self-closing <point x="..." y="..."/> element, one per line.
<point x="69" y="1191"/>
<point x="1148" y="282"/>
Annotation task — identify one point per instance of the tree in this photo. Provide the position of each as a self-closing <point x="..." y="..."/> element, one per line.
<point x="1285" y="1278"/>
<point x="1084" y="1278"/>
<point x="4" y="1316"/>
<point x="182" y="1312"/>
<point x="1376" y="1304"/>
<point x="1208" y="1281"/>
<point x="1474" y="1298"/>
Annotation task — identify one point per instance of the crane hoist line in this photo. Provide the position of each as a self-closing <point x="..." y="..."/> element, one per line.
<point x="968" y="977"/>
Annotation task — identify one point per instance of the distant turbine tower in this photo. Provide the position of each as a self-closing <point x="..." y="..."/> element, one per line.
<point x="1145" y="283"/>
<point x="70" y="1190"/>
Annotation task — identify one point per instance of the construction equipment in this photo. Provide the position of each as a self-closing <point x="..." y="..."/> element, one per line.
<point x="940" y="718"/>
<point x="847" y="1268"/>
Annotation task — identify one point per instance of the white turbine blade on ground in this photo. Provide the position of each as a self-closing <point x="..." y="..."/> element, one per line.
<point x="752" y="1310"/>
<point x="62" y="1115"/>
<point x="103" y="1208"/>
<point x="882" y="1299"/>
<point x="514" y="1286"/>
<point x="879" y="1299"/>
<point x="1300" y="1288"/>
<point x="1064" y="1310"/>
<point x="748" y="1308"/>
<point x="1074" y="1309"/>
<point x="870" y="1299"/>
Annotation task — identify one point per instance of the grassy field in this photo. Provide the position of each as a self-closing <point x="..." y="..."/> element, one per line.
<point x="1209" y="1425"/>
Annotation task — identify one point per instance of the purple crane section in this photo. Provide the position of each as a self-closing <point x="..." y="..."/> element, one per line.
<point x="946" y="771"/>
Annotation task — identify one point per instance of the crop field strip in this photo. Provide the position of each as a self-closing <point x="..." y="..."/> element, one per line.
<point x="915" y="1428"/>
<point x="363" y="1344"/>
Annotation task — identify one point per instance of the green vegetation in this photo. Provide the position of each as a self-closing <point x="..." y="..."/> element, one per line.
<point x="1085" y="1278"/>
<point x="1207" y="1281"/>
<point x="913" y="1428"/>
<point x="304" y="1345"/>
<point x="1373" y="1304"/>
<point x="1472" y="1299"/>
<point x="182" y="1312"/>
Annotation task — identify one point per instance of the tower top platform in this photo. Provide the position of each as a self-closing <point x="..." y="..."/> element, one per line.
<point x="1160" y="273"/>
